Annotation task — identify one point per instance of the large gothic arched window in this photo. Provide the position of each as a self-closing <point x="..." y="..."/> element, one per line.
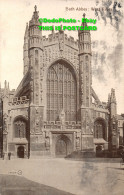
<point x="99" y="129"/>
<point x="61" y="92"/>
<point x="19" y="128"/>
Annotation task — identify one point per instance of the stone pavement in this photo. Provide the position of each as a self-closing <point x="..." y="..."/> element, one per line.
<point x="86" y="177"/>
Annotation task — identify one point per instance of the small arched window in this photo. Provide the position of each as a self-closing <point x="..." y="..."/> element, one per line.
<point x="36" y="53"/>
<point x="86" y="58"/>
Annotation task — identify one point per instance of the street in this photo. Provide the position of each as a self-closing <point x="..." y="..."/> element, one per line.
<point x="94" y="176"/>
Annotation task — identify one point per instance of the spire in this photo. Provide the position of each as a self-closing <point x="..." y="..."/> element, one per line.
<point x="83" y="24"/>
<point x="35" y="8"/>
<point x="35" y="35"/>
<point x="6" y="88"/>
<point x="84" y="20"/>
<point x="35" y="14"/>
<point x="35" y="17"/>
<point x="84" y="37"/>
<point x="113" y="98"/>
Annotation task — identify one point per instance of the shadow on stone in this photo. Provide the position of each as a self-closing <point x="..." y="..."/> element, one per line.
<point x="16" y="185"/>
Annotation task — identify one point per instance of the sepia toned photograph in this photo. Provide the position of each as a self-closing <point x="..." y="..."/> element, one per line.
<point x="61" y="97"/>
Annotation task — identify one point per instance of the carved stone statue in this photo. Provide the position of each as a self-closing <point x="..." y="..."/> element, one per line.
<point x="77" y="142"/>
<point x="47" y="143"/>
<point x="5" y="124"/>
<point x="62" y="118"/>
<point x="61" y="45"/>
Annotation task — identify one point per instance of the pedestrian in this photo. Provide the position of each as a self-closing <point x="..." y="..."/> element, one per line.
<point x="3" y="155"/>
<point x="122" y="154"/>
<point x="9" y="155"/>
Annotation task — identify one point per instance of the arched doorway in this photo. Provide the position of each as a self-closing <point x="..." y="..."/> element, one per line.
<point x="20" y="152"/>
<point x="99" y="151"/>
<point x="98" y="148"/>
<point x="63" y="146"/>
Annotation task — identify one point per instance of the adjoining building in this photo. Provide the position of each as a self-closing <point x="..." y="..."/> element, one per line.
<point x="1" y="127"/>
<point x="55" y="110"/>
<point x="121" y="128"/>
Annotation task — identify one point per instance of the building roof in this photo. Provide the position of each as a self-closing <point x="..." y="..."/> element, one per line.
<point x="120" y="117"/>
<point x="23" y="86"/>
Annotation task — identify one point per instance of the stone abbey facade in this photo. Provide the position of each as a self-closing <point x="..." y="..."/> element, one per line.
<point x="55" y="111"/>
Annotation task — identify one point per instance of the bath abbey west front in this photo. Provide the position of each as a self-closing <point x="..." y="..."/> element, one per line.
<point x="55" y="111"/>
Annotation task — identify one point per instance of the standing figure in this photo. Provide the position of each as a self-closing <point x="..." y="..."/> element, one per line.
<point x="122" y="155"/>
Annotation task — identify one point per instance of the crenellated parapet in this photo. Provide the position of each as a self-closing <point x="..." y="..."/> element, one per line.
<point x="53" y="38"/>
<point x="53" y="125"/>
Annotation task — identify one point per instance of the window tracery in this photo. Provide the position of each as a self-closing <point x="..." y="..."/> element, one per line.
<point x="20" y="129"/>
<point x="99" y="129"/>
<point x="61" y="93"/>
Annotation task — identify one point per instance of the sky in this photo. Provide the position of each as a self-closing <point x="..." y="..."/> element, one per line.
<point x="107" y="41"/>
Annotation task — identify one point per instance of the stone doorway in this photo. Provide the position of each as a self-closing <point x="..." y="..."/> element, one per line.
<point x="63" y="146"/>
<point x="20" y="152"/>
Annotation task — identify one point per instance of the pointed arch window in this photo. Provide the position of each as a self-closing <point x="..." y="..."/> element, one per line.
<point x="99" y="129"/>
<point x="20" y="129"/>
<point x="61" y="92"/>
